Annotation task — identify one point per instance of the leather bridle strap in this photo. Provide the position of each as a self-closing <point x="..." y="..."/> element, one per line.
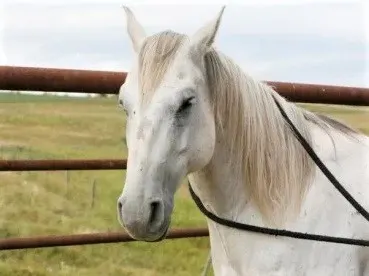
<point x="286" y="233"/>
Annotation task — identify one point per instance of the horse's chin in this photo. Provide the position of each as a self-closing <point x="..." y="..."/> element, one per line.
<point x="151" y="237"/>
<point x="162" y="237"/>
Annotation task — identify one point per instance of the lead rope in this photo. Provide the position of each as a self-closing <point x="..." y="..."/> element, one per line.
<point x="286" y="233"/>
<point x="322" y="167"/>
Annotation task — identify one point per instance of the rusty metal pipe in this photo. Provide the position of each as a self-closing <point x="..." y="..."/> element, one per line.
<point x="62" y="165"/>
<point x="107" y="82"/>
<point x="322" y="94"/>
<point x="60" y="80"/>
<point x="95" y="238"/>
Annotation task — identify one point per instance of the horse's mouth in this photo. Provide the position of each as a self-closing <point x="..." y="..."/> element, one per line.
<point x="163" y="236"/>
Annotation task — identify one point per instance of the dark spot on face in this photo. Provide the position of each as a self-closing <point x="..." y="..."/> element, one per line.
<point x="181" y="75"/>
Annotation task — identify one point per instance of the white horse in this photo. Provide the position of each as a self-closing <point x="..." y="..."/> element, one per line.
<point x="191" y="111"/>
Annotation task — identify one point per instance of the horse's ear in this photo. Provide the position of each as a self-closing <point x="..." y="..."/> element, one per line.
<point x="134" y="29"/>
<point x="204" y="38"/>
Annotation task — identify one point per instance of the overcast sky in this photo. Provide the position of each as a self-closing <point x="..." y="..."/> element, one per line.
<point x="297" y="40"/>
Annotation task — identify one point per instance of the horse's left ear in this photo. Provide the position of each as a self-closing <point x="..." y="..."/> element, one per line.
<point x="135" y="30"/>
<point x="204" y="38"/>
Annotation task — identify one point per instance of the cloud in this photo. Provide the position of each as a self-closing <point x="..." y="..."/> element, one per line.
<point x="311" y="41"/>
<point x="190" y="2"/>
<point x="342" y="19"/>
<point x="366" y="8"/>
<point x="2" y="50"/>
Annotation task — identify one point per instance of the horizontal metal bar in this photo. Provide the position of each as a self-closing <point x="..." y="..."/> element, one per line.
<point x="95" y="238"/>
<point x="60" y="80"/>
<point x="61" y="165"/>
<point x="107" y="82"/>
<point x="322" y="94"/>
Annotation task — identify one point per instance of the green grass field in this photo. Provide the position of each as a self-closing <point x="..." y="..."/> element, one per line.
<point x="43" y="203"/>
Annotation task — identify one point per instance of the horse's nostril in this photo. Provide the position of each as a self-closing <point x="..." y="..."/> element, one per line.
<point x="156" y="215"/>
<point x="120" y="207"/>
<point x="154" y="211"/>
<point x="120" y="216"/>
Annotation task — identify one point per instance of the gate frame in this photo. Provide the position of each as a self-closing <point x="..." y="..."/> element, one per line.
<point x="108" y="82"/>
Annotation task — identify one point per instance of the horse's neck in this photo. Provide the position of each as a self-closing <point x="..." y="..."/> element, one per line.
<point x="224" y="192"/>
<point x="221" y="188"/>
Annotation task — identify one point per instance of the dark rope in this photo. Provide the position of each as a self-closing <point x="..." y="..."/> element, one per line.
<point x="322" y="167"/>
<point x="286" y="233"/>
<point x="271" y="231"/>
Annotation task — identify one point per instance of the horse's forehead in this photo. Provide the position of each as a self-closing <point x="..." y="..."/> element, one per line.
<point x="185" y="71"/>
<point x="180" y="75"/>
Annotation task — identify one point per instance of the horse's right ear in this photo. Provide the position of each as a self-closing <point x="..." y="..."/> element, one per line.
<point x="134" y="29"/>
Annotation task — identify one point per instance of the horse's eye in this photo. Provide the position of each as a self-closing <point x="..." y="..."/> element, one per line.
<point x="185" y="105"/>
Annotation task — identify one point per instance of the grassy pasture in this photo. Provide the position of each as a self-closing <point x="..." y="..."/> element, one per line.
<point x="43" y="203"/>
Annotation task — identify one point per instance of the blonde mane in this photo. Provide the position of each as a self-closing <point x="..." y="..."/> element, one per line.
<point x="155" y="57"/>
<point x="276" y="169"/>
